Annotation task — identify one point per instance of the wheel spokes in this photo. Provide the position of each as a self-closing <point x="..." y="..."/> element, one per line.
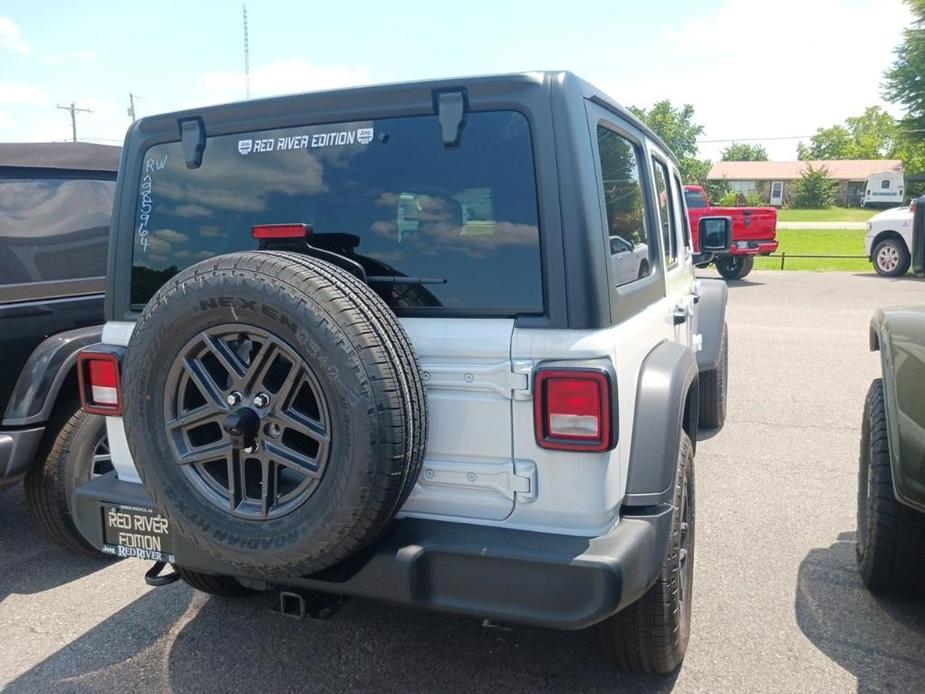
<point x="260" y="365"/>
<point x="290" y="419"/>
<point x="197" y="417"/>
<point x="226" y="357"/>
<point x="268" y="486"/>
<point x="287" y="457"/>
<point x="220" y="450"/>
<point x="247" y="421"/>
<point x="203" y="380"/>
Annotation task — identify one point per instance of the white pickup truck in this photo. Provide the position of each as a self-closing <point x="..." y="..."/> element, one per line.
<point x="888" y="240"/>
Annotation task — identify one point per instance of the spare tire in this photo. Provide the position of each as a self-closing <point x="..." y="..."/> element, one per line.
<point x="275" y="410"/>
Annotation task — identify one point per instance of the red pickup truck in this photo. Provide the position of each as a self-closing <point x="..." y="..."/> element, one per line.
<point x="754" y="232"/>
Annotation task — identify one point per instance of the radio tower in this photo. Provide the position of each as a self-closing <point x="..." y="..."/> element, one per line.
<point x="247" y="59"/>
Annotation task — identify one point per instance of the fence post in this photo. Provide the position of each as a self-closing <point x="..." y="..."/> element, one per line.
<point x="783" y="256"/>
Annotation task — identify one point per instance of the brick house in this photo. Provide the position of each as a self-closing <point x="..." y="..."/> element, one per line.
<point x="775" y="179"/>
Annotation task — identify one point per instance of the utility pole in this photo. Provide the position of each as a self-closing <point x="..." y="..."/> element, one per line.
<point x="131" y="106"/>
<point x="74" y="110"/>
<point x="247" y="58"/>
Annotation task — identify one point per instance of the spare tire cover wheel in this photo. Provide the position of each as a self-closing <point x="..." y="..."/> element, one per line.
<point x="274" y="409"/>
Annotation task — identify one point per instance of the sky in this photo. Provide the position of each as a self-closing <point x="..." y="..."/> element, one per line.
<point x="769" y="72"/>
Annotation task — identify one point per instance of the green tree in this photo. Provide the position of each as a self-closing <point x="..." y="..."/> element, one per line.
<point x="814" y="189"/>
<point x="742" y="151"/>
<point x="904" y="84"/>
<point x="677" y="128"/>
<point x="872" y="135"/>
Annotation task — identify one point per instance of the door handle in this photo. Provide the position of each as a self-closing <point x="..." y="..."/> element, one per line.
<point x="679" y="316"/>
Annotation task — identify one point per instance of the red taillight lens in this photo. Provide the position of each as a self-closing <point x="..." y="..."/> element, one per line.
<point x="100" y="384"/>
<point x="280" y="231"/>
<point x="572" y="410"/>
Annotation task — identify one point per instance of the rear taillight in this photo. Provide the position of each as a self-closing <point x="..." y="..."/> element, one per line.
<point x="280" y="231"/>
<point x="572" y="410"/>
<point x="100" y="383"/>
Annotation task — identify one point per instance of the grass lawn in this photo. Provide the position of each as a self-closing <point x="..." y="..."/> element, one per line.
<point x="818" y="242"/>
<point x="833" y="214"/>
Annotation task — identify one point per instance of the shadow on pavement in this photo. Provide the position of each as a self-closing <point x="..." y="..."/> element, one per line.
<point x="175" y="640"/>
<point x="879" y="640"/>
<point x="29" y="561"/>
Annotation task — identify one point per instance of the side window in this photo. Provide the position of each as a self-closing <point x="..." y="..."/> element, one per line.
<point x="665" y="214"/>
<point x="624" y="202"/>
<point x="682" y="212"/>
<point x="53" y="229"/>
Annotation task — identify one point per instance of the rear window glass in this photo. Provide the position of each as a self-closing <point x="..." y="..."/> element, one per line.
<point x="695" y="199"/>
<point x="457" y="229"/>
<point x="53" y="229"/>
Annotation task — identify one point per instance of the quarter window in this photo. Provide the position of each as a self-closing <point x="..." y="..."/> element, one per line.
<point x="630" y="257"/>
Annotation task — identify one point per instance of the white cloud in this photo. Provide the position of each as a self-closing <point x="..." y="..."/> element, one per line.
<point x="5" y="121"/>
<point x="11" y="37"/>
<point x="751" y="72"/>
<point x="278" y="77"/>
<point x="21" y="94"/>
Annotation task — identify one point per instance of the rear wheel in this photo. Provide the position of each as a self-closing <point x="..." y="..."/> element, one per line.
<point x="891" y="536"/>
<point x="222" y="586"/>
<point x="735" y="267"/>
<point x="891" y="258"/>
<point x="76" y="450"/>
<point x="651" y="635"/>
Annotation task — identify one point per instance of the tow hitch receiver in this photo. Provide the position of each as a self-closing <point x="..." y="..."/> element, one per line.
<point x="153" y="577"/>
<point x="299" y="604"/>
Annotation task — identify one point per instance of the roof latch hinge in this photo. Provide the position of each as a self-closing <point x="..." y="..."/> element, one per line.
<point x="193" y="136"/>
<point x="451" y="110"/>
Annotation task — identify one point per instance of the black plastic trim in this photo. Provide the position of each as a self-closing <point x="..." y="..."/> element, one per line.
<point x="17" y="451"/>
<point x="711" y="316"/>
<point x="40" y="381"/>
<point x="667" y="375"/>
<point x="557" y="581"/>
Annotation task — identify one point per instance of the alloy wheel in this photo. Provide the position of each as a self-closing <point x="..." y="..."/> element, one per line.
<point x="247" y="421"/>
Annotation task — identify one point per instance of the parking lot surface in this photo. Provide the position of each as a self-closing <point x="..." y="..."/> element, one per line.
<point x="778" y="605"/>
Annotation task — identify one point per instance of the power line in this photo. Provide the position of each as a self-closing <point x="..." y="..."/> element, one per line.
<point x="74" y="110"/>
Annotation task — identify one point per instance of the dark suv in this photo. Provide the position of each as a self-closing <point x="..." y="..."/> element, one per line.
<point x="55" y="211"/>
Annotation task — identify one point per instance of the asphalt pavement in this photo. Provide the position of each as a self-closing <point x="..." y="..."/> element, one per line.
<point x="778" y="605"/>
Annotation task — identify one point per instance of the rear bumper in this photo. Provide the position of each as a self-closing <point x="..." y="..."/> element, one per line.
<point x="17" y="451"/>
<point x="760" y="247"/>
<point x="556" y="581"/>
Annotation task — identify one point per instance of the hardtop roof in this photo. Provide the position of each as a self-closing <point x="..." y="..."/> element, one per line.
<point x="77" y="156"/>
<point x="561" y="84"/>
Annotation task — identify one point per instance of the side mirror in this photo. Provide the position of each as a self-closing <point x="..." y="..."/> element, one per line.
<point x="715" y="235"/>
<point x="918" y="236"/>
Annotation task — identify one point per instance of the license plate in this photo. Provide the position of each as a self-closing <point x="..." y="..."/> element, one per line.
<point x="742" y="244"/>
<point x="129" y="531"/>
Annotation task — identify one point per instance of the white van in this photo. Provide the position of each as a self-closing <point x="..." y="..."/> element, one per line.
<point x="884" y="189"/>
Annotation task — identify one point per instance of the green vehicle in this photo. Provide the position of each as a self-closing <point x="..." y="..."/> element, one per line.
<point x="891" y="476"/>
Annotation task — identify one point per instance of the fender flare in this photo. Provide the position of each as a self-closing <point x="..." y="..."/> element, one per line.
<point x="892" y="332"/>
<point x="666" y="402"/>
<point x="42" y="377"/>
<point x="711" y="316"/>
